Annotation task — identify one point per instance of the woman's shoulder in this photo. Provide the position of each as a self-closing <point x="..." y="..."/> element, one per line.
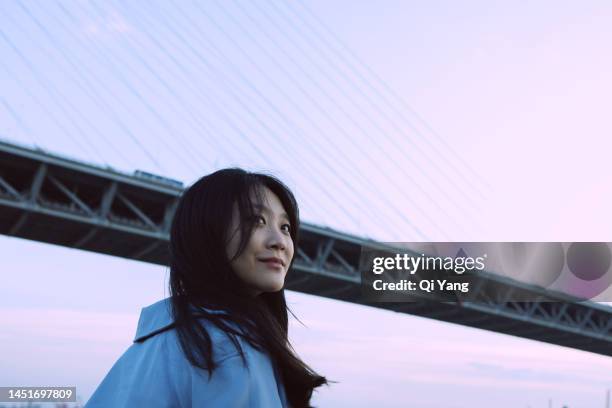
<point x="154" y="371"/>
<point x="156" y="329"/>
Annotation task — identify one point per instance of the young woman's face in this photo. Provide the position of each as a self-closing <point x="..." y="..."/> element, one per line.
<point x="263" y="264"/>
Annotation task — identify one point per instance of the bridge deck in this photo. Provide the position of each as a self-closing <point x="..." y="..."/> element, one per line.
<point x="52" y="199"/>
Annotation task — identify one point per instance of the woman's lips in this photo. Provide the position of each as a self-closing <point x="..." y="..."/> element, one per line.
<point x="273" y="264"/>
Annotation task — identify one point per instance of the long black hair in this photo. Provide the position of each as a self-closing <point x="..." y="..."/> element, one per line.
<point x="203" y="281"/>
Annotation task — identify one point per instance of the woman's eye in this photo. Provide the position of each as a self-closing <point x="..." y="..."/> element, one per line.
<point x="259" y="219"/>
<point x="286" y="227"/>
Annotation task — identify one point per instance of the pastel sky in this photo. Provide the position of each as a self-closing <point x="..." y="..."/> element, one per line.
<point x="465" y="121"/>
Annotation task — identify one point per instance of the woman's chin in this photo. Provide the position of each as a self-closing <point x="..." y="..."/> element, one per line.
<point x="272" y="287"/>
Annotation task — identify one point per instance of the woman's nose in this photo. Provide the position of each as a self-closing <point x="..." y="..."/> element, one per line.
<point x="276" y="239"/>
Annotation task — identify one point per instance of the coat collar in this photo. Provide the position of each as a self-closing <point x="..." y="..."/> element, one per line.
<point x="157" y="318"/>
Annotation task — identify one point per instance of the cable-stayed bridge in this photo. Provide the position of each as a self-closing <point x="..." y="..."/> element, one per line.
<point x="53" y="199"/>
<point x="183" y="89"/>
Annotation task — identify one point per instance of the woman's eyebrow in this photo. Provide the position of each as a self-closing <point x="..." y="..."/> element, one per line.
<point x="267" y="209"/>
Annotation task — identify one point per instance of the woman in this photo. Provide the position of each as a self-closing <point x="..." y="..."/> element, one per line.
<point x="220" y="340"/>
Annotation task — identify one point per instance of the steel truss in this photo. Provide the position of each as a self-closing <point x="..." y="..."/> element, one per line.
<point x="57" y="200"/>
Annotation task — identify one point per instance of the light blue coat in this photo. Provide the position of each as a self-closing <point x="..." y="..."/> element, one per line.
<point x="155" y="373"/>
